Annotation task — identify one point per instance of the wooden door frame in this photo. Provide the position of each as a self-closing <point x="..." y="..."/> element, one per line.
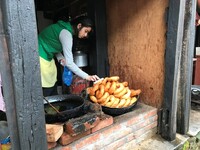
<point x="19" y="66"/>
<point x="13" y="54"/>
<point x="178" y="67"/>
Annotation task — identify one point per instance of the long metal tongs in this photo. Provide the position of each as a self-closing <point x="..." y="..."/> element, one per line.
<point x="54" y="108"/>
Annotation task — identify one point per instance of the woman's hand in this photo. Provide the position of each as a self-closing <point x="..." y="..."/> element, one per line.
<point x="92" y="78"/>
<point x="197" y="19"/>
<point x="62" y="62"/>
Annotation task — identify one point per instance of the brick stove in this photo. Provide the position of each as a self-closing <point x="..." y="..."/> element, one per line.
<point x="121" y="132"/>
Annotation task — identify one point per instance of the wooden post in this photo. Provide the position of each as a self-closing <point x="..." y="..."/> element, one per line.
<point x="19" y="65"/>
<point x="186" y="65"/>
<point x="5" y="72"/>
<point x="175" y="22"/>
<point x="99" y="53"/>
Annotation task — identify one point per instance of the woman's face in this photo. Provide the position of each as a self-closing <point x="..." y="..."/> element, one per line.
<point x="83" y="31"/>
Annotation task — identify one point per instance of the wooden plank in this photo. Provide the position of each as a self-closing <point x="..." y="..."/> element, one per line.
<point x="53" y="132"/>
<point x="186" y="65"/>
<point x="172" y="67"/>
<point x="195" y="101"/>
<point x="25" y="85"/>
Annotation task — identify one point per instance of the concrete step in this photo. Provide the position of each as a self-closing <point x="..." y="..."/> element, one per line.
<point x="158" y="143"/>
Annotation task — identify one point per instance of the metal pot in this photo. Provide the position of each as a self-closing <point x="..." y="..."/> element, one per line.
<point x="80" y="59"/>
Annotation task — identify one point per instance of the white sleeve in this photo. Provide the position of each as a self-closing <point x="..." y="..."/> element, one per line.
<point x="59" y="56"/>
<point x="65" y="38"/>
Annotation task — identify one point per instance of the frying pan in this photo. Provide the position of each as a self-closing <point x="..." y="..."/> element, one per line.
<point x="113" y="111"/>
<point x="69" y="106"/>
<point x="119" y="111"/>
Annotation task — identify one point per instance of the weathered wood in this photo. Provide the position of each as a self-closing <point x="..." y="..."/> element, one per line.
<point x="186" y="68"/>
<point x="21" y="79"/>
<point x="5" y="71"/>
<point x="172" y="67"/>
<point x="98" y="54"/>
<point x="54" y="132"/>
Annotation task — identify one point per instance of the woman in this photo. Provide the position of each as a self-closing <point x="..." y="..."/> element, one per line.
<point x="55" y="39"/>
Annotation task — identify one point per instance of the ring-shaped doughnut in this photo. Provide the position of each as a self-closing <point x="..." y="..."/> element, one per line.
<point x="119" y="89"/>
<point x="128" y="101"/>
<point x="93" y="98"/>
<point x="94" y="89"/>
<point x="119" y="95"/>
<point x="104" y="81"/>
<point x="133" y="100"/>
<point x="107" y="86"/>
<point x="116" y="102"/>
<point x="121" y="103"/>
<point x="107" y="100"/>
<point x="112" y="88"/>
<point x="127" y="95"/>
<point x="135" y="92"/>
<point x="111" y="101"/>
<point x="103" y="98"/>
<point x="100" y="92"/>
<point x="113" y="78"/>
<point x="125" y="83"/>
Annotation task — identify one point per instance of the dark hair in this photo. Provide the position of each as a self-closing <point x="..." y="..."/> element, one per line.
<point x="83" y="20"/>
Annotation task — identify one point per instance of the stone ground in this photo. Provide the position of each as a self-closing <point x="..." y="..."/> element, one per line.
<point x="191" y="141"/>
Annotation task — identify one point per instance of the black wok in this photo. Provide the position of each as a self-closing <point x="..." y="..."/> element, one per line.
<point x="118" y="111"/>
<point x="69" y="106"/>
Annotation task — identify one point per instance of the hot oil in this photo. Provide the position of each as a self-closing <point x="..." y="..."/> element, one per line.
<point x="62" y="106"/>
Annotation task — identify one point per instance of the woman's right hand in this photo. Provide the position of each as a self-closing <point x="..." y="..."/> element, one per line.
<point x="62" y="62"/>
<point x="92" y="78"/>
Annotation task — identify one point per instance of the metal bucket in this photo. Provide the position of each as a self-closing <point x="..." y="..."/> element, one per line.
<point x="80" y="59"/>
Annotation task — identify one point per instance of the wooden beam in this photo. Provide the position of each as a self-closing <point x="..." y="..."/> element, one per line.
<point x="21" y="75"/>
<point x="186" y="65"/>
<point x="175" y="21"/>
<point x="5" y="72"/>
<point x="99" y="52"/>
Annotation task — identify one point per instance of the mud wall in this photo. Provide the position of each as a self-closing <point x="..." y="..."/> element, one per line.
<point x="136" y="45"/>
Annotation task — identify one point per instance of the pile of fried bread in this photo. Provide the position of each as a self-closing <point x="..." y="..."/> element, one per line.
<point x="111" y="93"/>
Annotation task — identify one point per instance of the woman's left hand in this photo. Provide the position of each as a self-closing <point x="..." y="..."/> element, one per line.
<point x="92" y="78"/>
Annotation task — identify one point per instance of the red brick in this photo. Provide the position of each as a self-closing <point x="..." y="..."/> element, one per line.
<point x="51" y="145"/>
<point x="148" y="134"/>
<point x="116" y="144"/>
<point x="67" y="138"/>
<point x="145" y="123"/>
<point x="88" y="140"/>
<point x="141" y="117"/>
<point x="66" y="148"/>
<point x="130" y="137"/>
<point x="105" y="121"/>
<point x="111" y="129"/>
<point x="132" y="121"/>
<point x="145" y="129"/>
<point x="108" y="139"/>
<point x="82" y="124"/>
<point x="150" y="113"/>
